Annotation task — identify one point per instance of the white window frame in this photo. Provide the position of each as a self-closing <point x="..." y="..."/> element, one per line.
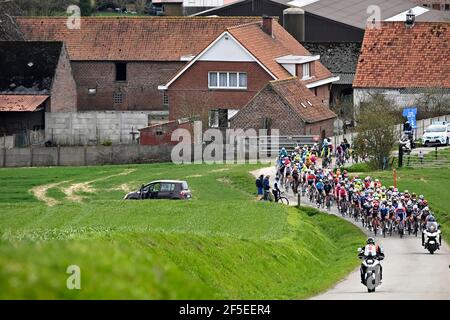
<point x="227" y="87"/>
<point x="306" y="67"/>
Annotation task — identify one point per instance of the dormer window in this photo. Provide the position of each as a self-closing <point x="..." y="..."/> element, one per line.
<point x="298" y="66"/>
<point x="306" y="71"/>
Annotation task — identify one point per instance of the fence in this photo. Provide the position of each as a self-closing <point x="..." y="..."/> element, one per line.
<point x="83" y="156"/>
<point x="434" y="159"/>
<point x="421" y="126"/>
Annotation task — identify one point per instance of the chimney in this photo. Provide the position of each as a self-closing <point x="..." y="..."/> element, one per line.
<point x="294" y="23"/>
<point x="410" y="19"/>
<point x="267" y="25"/>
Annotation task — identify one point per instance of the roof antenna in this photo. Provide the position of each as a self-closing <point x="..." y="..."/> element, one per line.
<point x="410" y="19"/>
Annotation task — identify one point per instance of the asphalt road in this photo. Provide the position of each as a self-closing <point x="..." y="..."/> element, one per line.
<point x="409" y="272"/>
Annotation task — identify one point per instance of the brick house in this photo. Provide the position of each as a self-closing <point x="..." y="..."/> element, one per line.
<point x="119" y="62"/>
<point x="286" y="105"/>
<point x="404" y="63"/>
<point x="236" y="65"/>
<point x="35" y="78"/>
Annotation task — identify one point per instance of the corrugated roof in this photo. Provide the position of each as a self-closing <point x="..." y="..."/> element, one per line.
<point x="21" y="103"/>
<point x="354" y="12"/>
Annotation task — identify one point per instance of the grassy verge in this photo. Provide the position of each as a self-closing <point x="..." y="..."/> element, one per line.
<point x="221" y="245"/>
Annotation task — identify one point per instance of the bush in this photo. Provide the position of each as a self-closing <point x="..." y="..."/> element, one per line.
<point x="107" y="143"/>
<point x="359" y="167"/>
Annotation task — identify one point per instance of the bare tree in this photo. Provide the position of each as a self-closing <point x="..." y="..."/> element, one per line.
<point x="9" y="30"/>
<point x="433" y="102"/>
<point x="194" y="105"/>
<point x="376" y="134"/>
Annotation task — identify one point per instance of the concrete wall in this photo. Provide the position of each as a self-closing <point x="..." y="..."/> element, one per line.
<point x="82" y="156"/>
<point x="89" y="128"/>
<point x="402" y="100"/>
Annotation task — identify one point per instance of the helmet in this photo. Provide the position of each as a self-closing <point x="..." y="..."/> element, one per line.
<point x="370" y="241"/>
<point x="431" y="218"/>
<point x="421" y="197"/>
<point x="425" y="202"/>
<point x="426" y="209"/>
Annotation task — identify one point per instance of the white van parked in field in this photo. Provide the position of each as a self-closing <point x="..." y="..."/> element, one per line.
<point x="437" y="133"/>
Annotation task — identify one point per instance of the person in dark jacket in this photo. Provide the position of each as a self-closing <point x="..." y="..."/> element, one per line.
<point x="259" y="185"/>
<point x="266" y="186"/>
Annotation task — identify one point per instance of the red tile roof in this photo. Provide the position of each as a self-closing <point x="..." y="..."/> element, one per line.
<point x="20" y="103"/>
<point x="301" y="100"/>
<point x="399" y="57"/>
<point x="131" y="38"/>
<point x="266" y="48"/>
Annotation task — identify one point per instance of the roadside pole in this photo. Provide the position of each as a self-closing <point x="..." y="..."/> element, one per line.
<point x="298" y="199"/>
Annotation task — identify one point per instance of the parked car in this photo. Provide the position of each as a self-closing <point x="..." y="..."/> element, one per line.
<point x="437" y="133"/>
<point x="161" y="189"/>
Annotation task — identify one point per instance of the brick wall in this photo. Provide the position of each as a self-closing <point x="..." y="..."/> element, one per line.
<point x="140" y="90"/>
<point x="64" y="91"/>
<point x="322" y="128"/>
<point x="162" y="133"/>
<point x="323" y="93"/>
<point x="193" y="86"/>
<point x="269" y="105"/>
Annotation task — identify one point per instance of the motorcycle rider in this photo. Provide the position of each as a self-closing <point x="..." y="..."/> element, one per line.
<point x="431" y="225"/>
<point x="379" y="255"/>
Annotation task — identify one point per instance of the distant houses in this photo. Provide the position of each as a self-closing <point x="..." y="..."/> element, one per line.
<point x="136" y="72"/>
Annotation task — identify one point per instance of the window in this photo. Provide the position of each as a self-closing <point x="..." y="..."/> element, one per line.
<point x="243" y="80"/>
<point x="167" y="187"/>
<point x="447" y="7"/>
<point x="155" y="187"/>
<point x="165" y="99"/>
<point x="213" y="118"/>
<point x="121" y="71"/>
<point x="305" y="70"/>
<point x="233" y="77"/>
<point x="212" y="79"/>
<point x="227" y="80"/>
<point x="118" y="97"/>
<point x="218" y="118"/>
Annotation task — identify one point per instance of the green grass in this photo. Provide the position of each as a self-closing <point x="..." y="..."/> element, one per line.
<point x="223" y="244"/>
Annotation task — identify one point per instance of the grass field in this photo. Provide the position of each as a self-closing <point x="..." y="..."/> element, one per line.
<point x="221" y="244"/>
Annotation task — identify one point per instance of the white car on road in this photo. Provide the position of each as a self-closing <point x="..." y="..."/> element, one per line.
<point x="437" y="133"/>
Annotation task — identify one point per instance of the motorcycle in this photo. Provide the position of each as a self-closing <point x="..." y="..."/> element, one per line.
<point x="371" y="262"/>
<point x="432" y="243"/>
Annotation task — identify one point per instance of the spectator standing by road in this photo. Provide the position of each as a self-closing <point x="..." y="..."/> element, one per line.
<point x="266" y="186"/>
<point x="259" y="185"/>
